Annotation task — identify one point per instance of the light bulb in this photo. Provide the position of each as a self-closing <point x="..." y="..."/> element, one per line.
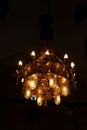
<point x="65" y="91"/>
<point x="51" y="82"/>
<point x="57" y="100"/>
<point x="27" y="94"/>
<point x="72" y="64"/>
<point x="74" y="74"/>
<point x="65" y="56"/>
<point x="22" y="80"/>
<point x="47" y="52"/>
<point x="33" y="53"/>
<point x="39" y="101"/>
<point x="32" y="84"/>
<point x="20" y="63"/>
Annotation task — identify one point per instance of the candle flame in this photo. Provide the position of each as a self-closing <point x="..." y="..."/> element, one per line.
<point x="33" y="53"/>
<point x="72" y="64"/>
<point x="65" y="56"/>
<point x="20" y="63"/>
<point x="47" y="52"/>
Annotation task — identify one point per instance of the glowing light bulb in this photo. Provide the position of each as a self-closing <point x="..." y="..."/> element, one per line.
<point x="33" y="53"/>
<point x="65" y="56"/>
<point x="20" y="63"/>
<point x="22" y="80"/>
<point x="47" y="52"/>
<point x="57" y="100"/>
<point x="27" y="94"/>
<point x="72" y="64"/>
<point x="51" y="82"/>
<point x="39" y="101"/>
<point x="74" y="74"/>
<point x="32" y="84"/>
<point x="65" y="91"/>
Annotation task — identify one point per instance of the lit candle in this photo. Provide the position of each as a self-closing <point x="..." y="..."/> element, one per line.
<point x="66" y="61"/>
<point x="65" y="56"/>
<point x="20" y="63"/>
<point x="33" y="53"/>
<point x="47" y="53"/>
<point x="72" y="65"/>
<point x="22" y="80"/>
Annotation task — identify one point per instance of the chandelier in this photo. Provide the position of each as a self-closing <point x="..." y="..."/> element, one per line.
<point x="46" y="77"/>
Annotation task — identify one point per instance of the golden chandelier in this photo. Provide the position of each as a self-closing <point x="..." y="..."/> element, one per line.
<point x="46" y="77"/>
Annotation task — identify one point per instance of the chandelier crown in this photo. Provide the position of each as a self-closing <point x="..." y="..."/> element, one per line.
<point x="46" y="77"/>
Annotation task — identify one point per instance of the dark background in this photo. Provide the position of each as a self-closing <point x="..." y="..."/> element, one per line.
<point x="19" y="35"/>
